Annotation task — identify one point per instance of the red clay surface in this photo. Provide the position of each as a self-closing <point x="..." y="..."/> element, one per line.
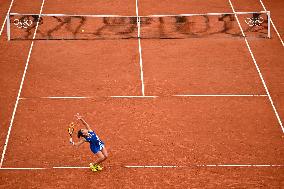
<point x="182" y="131"/>
<point x="84" y="68"/>
<point x="12" y="61"/>
<point x="4" y="6"/>
<point x="146" y="178"/>
<point x="271" y="62"/>
<point x="123" y="7"/>
<point x="146" y="7"/>
<point x="26" y="6"/>
<point x="186" y="131"/>
<point x="246" y="6"/>
<point x="277" y="16"/>
<point x="228" y="70"/>
<point x="269" y="54"/>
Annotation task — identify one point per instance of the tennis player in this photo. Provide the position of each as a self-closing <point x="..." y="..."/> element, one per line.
<point x="96" y="145"/>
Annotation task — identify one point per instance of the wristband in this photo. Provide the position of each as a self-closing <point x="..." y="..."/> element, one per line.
<point x="71" y="141"/>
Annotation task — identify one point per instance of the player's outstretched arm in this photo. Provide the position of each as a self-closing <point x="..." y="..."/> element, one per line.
<point x="86" y="124"/>
<point x="76" y="143"/>
<point x="79" y="117"/>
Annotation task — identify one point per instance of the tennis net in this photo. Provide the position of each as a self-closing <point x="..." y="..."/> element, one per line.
<point x="89" y="27"/>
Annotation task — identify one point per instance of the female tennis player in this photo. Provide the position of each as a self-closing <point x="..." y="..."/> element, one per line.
<point x="96" y="145"/>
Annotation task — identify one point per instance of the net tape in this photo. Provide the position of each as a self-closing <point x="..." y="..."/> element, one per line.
<point x="60" y="26"/>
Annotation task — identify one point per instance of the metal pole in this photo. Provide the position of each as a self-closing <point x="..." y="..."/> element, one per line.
<point x="8" y="27"/>
<point x="268" y="23"/>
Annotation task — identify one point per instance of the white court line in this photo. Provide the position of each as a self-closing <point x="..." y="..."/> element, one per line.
<point x="221" y="95"/>
<point x="71" y="167"/>
<point x="84" y="97"/>
<point x="20" y="90"/>
<point x="245" y="165"/>
<point x="140" y="51"/>
<point x="188" y="166"/>
<point x="3" y="25"/>
<point x="273" y="24"/>
<point x="21" y="168"/>
<point x="134" y="96"/>
<point x="57" y="97"/>
<point x="151" y="166"/>
<point x="180" y="95"/>
<point x="258" y="70"/>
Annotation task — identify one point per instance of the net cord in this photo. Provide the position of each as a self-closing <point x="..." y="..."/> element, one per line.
<point x="147" y="16"/>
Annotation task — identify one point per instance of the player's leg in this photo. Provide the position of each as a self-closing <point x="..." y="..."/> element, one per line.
<point x="104" y="151"/>
<point x="101" y="152"/>
<point x="105" y="154"/>
<point x="100" y="159"/>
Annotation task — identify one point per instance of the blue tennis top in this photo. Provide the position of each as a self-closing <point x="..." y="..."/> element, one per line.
<point x="93" y="139"/>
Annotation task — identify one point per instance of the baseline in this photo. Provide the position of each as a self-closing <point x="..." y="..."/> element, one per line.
<point x="148" y="166"/>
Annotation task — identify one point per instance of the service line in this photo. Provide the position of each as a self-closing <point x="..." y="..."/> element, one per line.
<point x="126" y="96"/>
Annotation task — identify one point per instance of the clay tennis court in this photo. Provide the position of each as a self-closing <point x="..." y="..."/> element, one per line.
<point x="196" y="112"/>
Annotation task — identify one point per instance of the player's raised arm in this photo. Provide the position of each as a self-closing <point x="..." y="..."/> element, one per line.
<point x="79" y="117"/>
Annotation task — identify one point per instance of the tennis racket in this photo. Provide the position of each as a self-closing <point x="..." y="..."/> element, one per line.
<point x="71" y="129"/>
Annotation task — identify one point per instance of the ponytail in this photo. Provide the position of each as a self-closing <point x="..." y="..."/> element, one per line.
<point x="80" y="134"/>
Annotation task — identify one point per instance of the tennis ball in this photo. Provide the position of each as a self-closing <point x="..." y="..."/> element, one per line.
<point x="83" y="30"/>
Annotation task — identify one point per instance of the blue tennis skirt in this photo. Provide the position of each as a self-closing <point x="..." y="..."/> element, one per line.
<point x="96" y="148"/>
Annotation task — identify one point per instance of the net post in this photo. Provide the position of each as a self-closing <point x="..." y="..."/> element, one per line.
<point x="268" y="24"/>
<point x="8" y="27"/>
<point x="138" y="25"/>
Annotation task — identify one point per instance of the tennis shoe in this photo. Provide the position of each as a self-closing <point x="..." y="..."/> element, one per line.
<point x="93" y="167"/>
<point x="99" y="168"/>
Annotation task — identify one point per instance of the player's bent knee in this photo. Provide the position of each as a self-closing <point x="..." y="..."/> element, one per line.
<point x="104" y="158"/>
<point x="101" y="159"/>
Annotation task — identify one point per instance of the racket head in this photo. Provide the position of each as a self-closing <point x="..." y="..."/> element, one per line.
<point x="71" y="129"/>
